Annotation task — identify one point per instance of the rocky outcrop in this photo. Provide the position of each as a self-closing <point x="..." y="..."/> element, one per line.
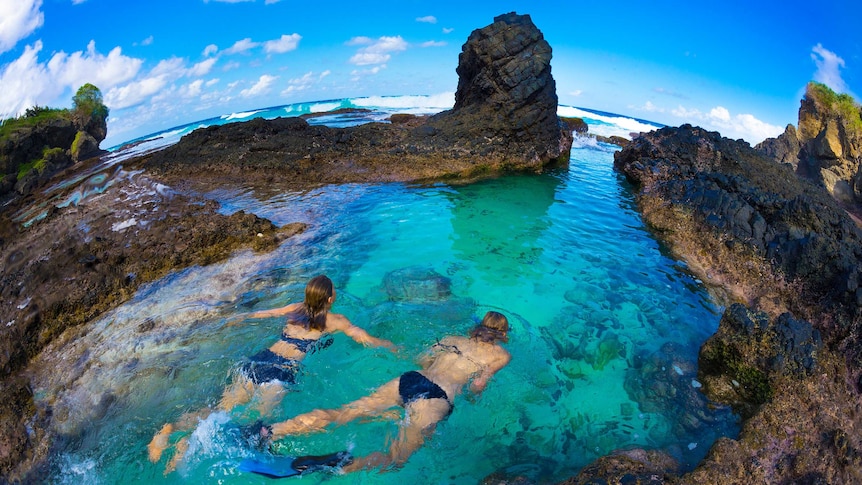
<point x="32" y="153"/>
<point x="505" y="118"/>
<point x="827" y="147"/>
<point x="76" y="261"/>
<point x="785" y="259"/>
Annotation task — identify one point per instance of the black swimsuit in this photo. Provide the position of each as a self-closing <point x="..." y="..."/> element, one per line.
<point x="413" y="386"/>
<point x="267" y="366"/>
<point x="308" y="345"/>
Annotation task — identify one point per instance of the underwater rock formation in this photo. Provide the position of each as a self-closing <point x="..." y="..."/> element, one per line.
<point x="505" y="118"/>
<point x="827" y="146"/>
<point x="759" y="235"/>
<point x="665" y="380"/>
<point x="417" y="284"/>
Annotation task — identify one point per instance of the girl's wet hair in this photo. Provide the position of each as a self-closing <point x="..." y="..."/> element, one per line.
<point x="494" y="326"/>
<point x="318" y="291"/>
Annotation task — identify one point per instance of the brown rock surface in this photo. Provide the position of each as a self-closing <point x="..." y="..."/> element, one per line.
<point x="784" y="258"/>
<point x="505" y="118"/>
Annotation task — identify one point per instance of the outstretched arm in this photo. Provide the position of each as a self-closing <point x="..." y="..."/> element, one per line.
<point x="275" y="312"/>
<point x="340" y="322"/>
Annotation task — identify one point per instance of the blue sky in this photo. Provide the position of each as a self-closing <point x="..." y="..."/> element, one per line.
<point x="736" y="67"/>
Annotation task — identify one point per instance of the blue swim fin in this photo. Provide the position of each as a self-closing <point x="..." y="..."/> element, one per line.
<point x="287" y="466"/>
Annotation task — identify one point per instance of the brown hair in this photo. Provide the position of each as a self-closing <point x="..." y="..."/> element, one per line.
<point x="318" y="291"/>
<point x="494" y="326"/>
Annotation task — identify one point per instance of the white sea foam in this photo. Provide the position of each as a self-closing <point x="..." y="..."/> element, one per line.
<point x="244" y="114"/>
<point x="431" y="102"/>
<point x="119" y="226"/>
<point x="323" y="107"/>
<point x="608" y="125"/>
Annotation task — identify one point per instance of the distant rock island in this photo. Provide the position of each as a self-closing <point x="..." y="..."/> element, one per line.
<point x="504" y="119"/>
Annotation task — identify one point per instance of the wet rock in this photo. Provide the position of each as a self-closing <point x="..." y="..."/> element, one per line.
<point x="417" y="284"/>
<point x="505" y="118"/>
<point x="79" y="261"/>
<point x="576" y="125"/>
<point x="736" y="362"/>
<point x="666" y="382"/>
<point x="635" y="466"/>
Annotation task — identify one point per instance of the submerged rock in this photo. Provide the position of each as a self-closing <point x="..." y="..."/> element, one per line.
<point x="417" y="284"/>
<point x="505" y="118"/>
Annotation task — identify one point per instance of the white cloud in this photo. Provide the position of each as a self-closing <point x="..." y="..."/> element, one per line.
<point x="193" y="89"/>
<point x="720" y="113"/>
<point x="202" y="68"/>
<point x="18" y="19"/>
<point x="135" y="92"/>
<point x="433" y="43"/>
<point x="210" y="50"/>
<point x="447" y="30"/>
<point x="27" y="81"/>
<point x="429" y="19"/>
<point x="361" y="40"/>
<point x="378" y="51"/>
<point x="286" y="43"/>
<point x="261" y="87"/>
<point x="241" y="46"/>
<point x="79" y="68"/>
<point x="576" y="92"/>
<point x="828" y="68"/>
<point x="147" y="41"/>
<point x="304" y="82"/>
<point x="719" y="118"/>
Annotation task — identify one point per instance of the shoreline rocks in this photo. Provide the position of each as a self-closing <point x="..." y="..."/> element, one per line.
<point x="504" y="119"/>
<point x="784" y="257"/>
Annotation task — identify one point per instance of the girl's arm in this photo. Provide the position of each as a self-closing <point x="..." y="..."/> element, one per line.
<point x="339" y="322"/>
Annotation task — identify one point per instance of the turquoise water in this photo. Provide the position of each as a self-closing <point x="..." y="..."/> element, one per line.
<point x="604" y="324"/>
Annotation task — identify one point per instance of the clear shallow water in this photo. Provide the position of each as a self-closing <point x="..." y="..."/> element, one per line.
<point x="589" y="293"/>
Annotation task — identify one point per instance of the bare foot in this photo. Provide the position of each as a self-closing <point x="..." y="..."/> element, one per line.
<point x="180" y="450"/>
<point x="159" y="442"/>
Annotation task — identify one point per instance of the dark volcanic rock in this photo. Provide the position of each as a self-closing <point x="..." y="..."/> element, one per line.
<point x="506" y="94"/>
<point x="505" y="118"/>
<point x="735" y="363"/>
<point x="735" y="192"/>
<point x="56" y="142"/>
<point x="784" y="247"/>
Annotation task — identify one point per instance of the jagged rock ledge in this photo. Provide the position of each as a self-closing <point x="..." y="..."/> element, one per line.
<point x="784" y="258"/>
<point x="504" y="119"/>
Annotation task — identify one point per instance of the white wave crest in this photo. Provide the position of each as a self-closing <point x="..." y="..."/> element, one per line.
<point x="244" y="114"/>
<point x="608" y="125"/>
<point x="431" y="102"/>
<point x="323" y="107"/>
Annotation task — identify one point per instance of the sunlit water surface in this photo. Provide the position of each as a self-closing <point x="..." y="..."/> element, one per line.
<point x="589" y="293"/>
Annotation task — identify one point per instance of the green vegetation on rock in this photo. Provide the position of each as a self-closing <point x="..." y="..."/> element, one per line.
<point x="842" y="106"/>
<point x="31" y="118"/>
<point x="87" y="103"/>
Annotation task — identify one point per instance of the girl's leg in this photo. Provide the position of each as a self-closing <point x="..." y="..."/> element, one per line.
<point x="385" y="397"/>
